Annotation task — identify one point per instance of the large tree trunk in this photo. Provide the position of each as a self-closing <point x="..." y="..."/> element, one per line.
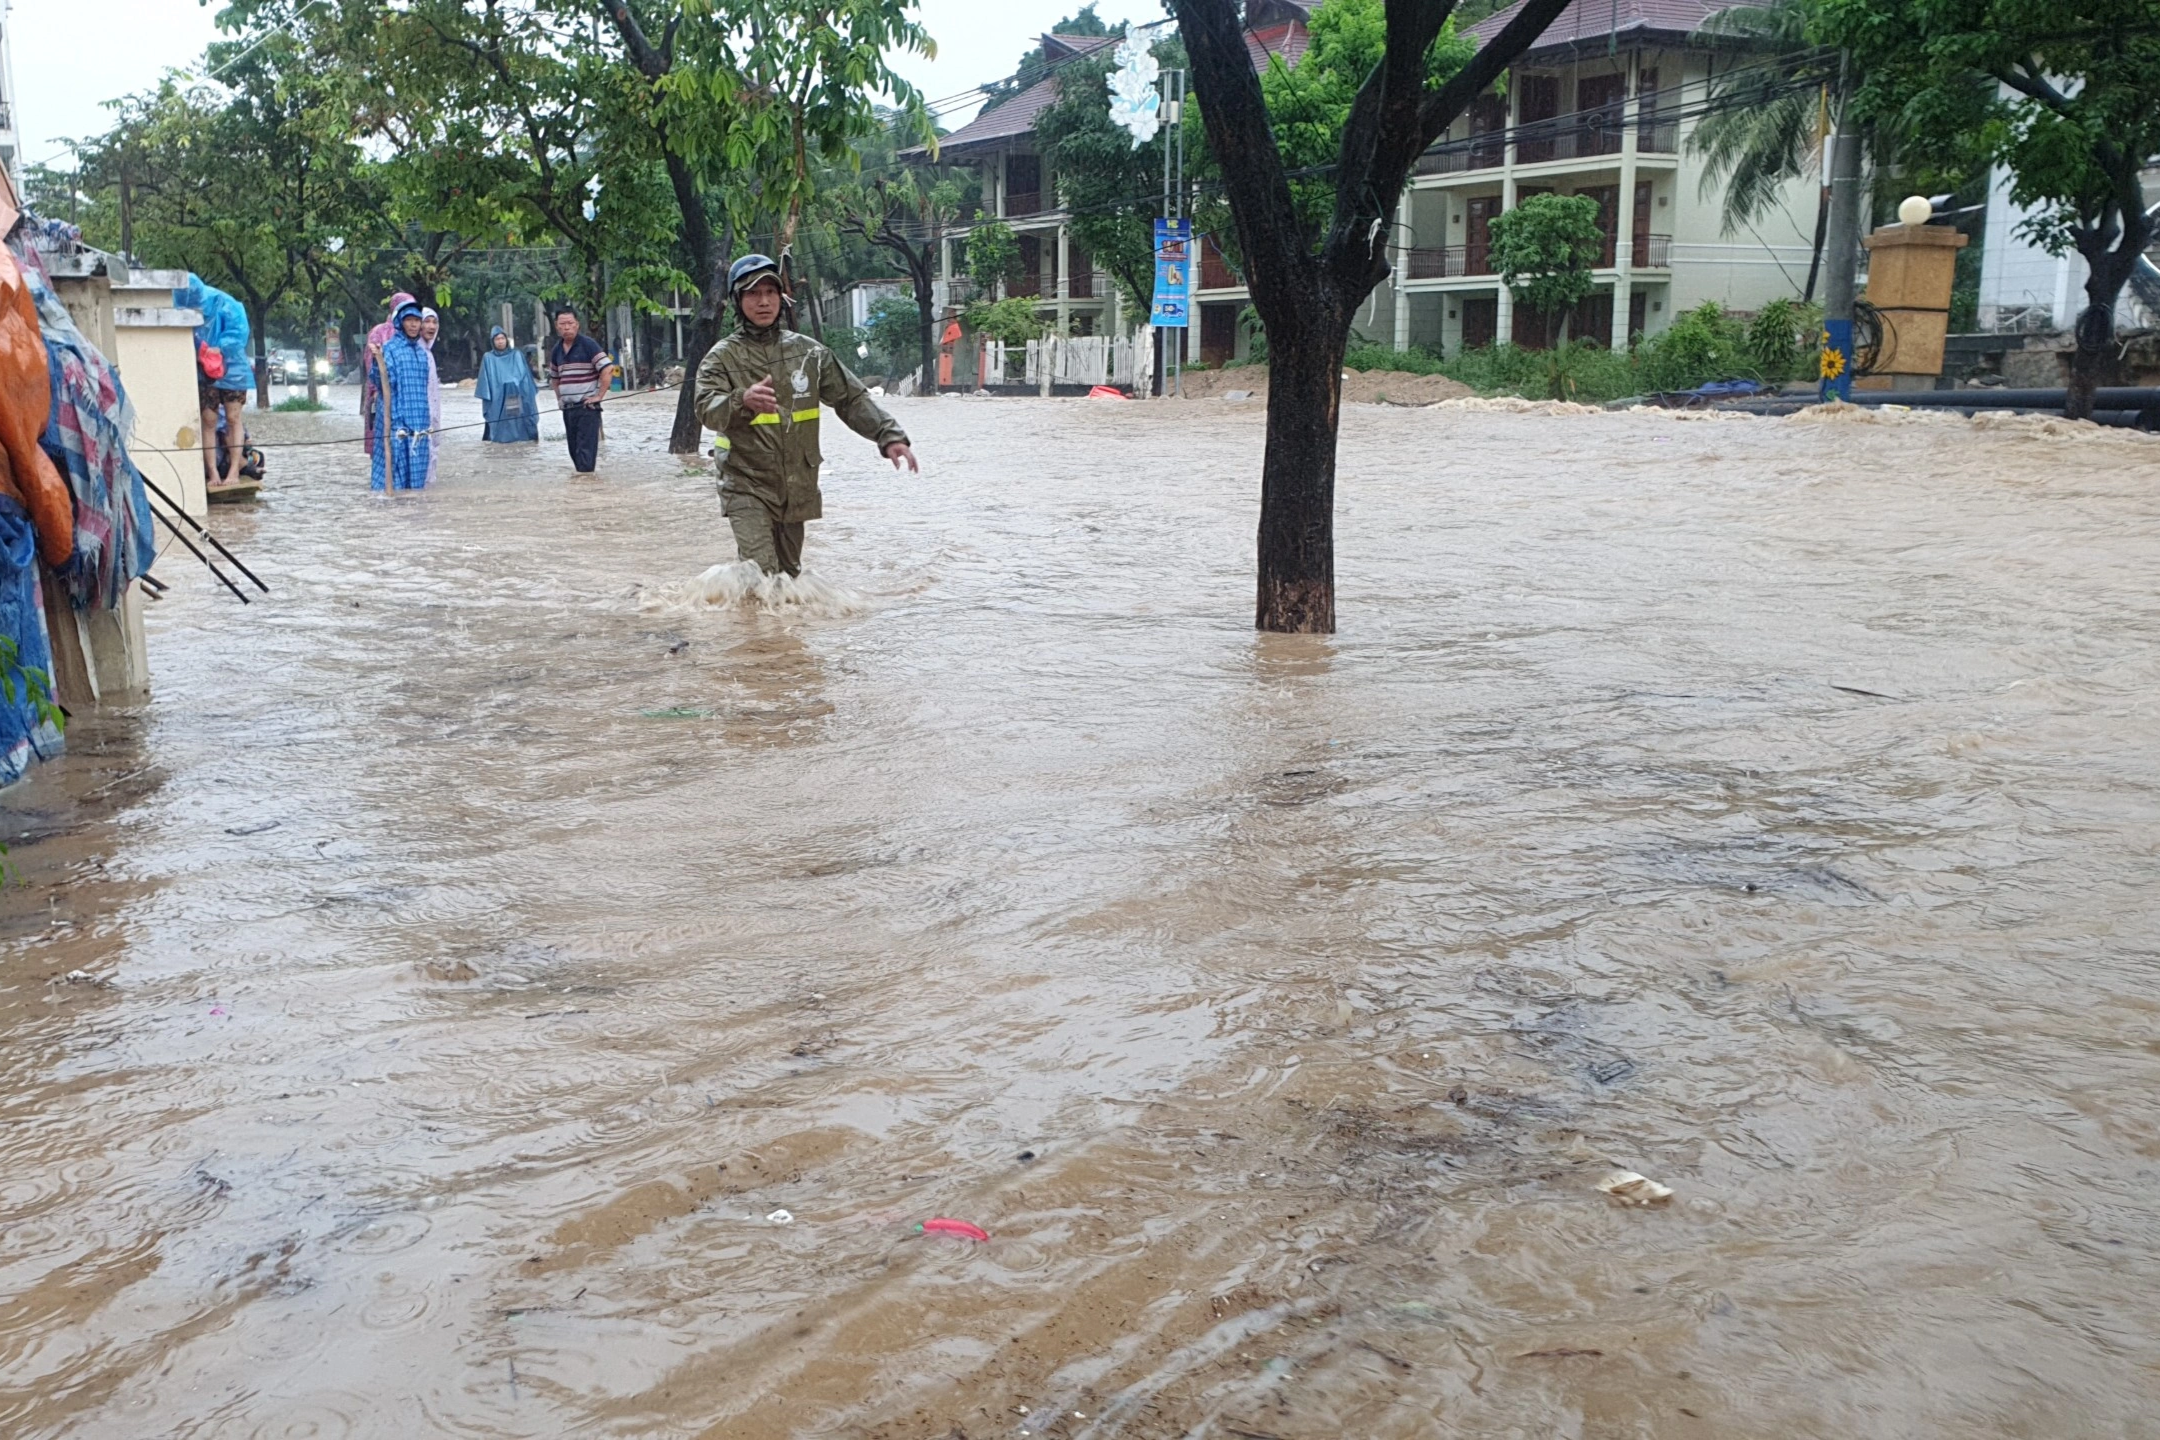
<point x="1306" y="300"/>
<point x="2108" y="270"/>
<point x="1297" y="479"/>
<point x="926" y="317"/>
<point x="705" y="332"/>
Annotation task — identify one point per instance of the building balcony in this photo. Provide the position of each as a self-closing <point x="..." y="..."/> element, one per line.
<point x="1454" y="262"/>
<point x="1022" y="206"/>
<point x="1444" y="263"/>
<point x="1585" y="135"/>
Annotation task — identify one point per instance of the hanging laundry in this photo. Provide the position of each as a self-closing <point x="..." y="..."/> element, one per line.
<point x="87" y="437"/>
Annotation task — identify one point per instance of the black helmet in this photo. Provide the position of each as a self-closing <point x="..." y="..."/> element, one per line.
<point x="748" y="271"/>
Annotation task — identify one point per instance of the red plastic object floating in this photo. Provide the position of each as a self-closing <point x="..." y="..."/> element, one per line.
<point x="954" y="1227"/>
<point x="1106" y="392"/>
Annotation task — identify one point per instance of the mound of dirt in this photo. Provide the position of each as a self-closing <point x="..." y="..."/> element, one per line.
<point x="1387" y="387"/>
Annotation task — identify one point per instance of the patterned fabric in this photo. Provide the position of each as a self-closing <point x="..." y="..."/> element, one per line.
<point x="370" y="396"/>
<point x="86" y="435"/>
<point x="404" y="453"/>
<point x="24" y="734"/>
<point x="577" y="368"/>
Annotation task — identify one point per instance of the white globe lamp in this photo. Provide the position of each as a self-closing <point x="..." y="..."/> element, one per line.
<point x="1915" y="210"/>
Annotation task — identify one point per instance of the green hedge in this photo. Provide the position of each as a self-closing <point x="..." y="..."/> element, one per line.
<point x="1705" y="344"/>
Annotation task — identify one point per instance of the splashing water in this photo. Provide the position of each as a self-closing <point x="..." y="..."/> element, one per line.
<point x="742" y="582"/>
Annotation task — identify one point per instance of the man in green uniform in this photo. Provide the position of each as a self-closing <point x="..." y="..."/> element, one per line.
<point x="760" y="388"/>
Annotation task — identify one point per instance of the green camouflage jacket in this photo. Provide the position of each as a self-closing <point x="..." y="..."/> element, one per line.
<point x="775" y="457"/>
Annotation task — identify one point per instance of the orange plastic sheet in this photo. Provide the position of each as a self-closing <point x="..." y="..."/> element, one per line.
<point x="25" y="405"/>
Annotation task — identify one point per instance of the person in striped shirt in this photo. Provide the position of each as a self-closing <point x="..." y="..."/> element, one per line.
<point x="580" y="371"/>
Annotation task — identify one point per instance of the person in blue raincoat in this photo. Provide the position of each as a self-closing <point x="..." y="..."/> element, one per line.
<point x="221" y="344"/>
<point x="404" y="428"/>
<point x="508" y="397"/>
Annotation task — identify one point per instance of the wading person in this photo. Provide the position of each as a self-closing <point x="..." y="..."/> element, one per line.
<point x="370" y="379"/>
<point x="508" y="398"/>
<point x="580" y="372"/>
<point x="405" y="380"/>
<point x="430" y="327"/>
<point x="759" y="389"/>
<point x="221" y="346"/>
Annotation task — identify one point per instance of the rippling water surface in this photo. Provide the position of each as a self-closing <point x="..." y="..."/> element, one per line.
<point x="481" y="946"/>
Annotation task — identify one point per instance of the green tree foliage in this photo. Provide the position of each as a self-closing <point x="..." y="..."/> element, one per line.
<point x="2071" y="106"/>
<point x="993" y="254"/>
<point x="902" y="214"/>
<point x="1309" y="105"/>
<point x="894" y="334"/>
<point x="1768" y="116"/>
<point x="1111" y="187"/>
<point x="1544" y="250"/>
<point x="246" y="186"/>
<point x="1011" y="320"/>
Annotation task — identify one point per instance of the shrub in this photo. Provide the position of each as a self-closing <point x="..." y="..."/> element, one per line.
<point x="1589" y="373"/>
<point x="1011" y="320"/>
<point x="299" y="402"/>
<point x="1704" y="344"/>
<point x="895" y="333"/>
<point x="1782" y="338"/>
<point x="1367" y="356"/>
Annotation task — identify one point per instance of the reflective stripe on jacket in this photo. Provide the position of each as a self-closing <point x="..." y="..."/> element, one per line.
<point x="776" y="457"/>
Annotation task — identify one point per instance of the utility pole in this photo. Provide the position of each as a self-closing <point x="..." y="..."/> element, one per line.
<point x="1168" y="370"/>
<point x="1843" y="248"/>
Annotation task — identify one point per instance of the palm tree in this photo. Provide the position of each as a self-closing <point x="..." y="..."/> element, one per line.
<point x="1766" y="118"/>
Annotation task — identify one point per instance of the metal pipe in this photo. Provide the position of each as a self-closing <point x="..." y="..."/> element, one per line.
<point x="152" y="486"/>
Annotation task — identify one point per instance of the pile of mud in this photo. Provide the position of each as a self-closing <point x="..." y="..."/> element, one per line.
<point x="1360" y="387"/>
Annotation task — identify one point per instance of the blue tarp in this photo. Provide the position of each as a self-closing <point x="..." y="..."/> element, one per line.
<point x="225" y="326"/>
<point x="24" y="735"/>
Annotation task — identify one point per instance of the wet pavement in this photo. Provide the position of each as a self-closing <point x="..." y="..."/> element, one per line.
<point x="416" y="1015"/>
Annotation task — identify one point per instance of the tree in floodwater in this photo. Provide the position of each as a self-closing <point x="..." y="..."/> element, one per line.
<point x="1543" y="250"/>
<point x="1307" y="293"/>
<point x="2073" y="112"/>
<point x="746" y="96"/>
<point x="906" y="214"/>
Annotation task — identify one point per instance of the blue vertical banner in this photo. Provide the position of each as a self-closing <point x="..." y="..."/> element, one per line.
<point x="1173" y="275"/>
<point x="1837" y="361"/>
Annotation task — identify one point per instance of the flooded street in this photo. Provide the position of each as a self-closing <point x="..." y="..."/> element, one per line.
<point x="417" y="1016"/>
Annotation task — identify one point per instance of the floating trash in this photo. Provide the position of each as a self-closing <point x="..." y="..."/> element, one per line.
<point x="1629" y="1188"/>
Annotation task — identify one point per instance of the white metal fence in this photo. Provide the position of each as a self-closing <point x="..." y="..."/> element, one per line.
<point x="1072" y="360"/>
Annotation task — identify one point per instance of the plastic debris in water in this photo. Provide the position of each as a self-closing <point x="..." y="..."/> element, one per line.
<point x="1629" y="1188"/>
<point x="954" y="1227"/>
<point x="779" y="1217"/>
<point x="677" y="712"/>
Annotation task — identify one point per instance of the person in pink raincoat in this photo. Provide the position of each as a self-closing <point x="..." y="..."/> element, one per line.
<point x="370" y="393"/>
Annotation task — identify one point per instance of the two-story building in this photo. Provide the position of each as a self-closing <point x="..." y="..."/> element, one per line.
<point x="1603" y="105"/>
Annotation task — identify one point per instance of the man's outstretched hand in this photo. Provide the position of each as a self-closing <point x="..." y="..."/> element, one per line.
<point x="760" y="398"/>
<point x="900" y="451"/>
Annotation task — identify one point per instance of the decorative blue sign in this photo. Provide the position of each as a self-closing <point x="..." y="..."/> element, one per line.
<point x="1173" y="274"/>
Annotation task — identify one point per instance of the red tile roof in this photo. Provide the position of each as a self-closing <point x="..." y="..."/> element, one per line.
<point x="1597" y="21"/>
<point x="1290" y="40"/>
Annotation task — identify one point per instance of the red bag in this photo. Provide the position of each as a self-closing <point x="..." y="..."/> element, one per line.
<point x="210" y="360"/>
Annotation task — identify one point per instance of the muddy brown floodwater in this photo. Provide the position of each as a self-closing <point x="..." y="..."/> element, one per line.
<point x="473" y="960"/>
